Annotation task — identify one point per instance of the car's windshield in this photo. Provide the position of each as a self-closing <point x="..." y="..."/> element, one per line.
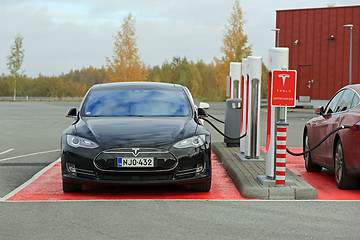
<point x="136" y="102"/>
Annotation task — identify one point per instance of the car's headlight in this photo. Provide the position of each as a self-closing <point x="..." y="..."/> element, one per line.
<point x="75" y="141"/>
<point x="195" y="141"/>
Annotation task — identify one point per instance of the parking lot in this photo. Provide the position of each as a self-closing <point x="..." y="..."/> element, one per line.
<point x="30" y="153"/>
<point x="31" y="140"/>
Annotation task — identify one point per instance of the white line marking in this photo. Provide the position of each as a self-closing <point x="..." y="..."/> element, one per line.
<point x="28" y="155"/>
<point x="28" y="182"/>
<point x="9" y="150"/>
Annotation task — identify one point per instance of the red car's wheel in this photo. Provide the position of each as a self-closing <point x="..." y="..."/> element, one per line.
<point x="343" y="180"/>
<point x="309" y="164"/>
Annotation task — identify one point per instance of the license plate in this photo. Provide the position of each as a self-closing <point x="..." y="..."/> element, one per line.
<point x="135" y="162"/>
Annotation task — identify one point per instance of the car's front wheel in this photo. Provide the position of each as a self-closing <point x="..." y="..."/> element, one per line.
<point x="342" y="178"/>
<point x="70" y="187"/>
<point x="309" y="164"/>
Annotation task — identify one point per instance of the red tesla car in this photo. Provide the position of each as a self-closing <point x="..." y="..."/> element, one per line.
<point x="341" y="151"/>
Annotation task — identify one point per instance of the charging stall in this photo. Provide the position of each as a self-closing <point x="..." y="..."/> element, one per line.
<point x="242" y="120"/>
<point x="278" y="60"/>
<point x="251" y="83"/>
<point x="281" y="94"/>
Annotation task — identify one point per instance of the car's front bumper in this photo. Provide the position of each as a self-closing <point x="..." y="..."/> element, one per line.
<point x="187" y="167"/>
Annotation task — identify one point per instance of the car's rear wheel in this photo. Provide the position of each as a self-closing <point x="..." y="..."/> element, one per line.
<point x="309" y="164"/>
<point x="342" y="178"/>
<point x="70" y="187"/>
<point x="201" y="187"/>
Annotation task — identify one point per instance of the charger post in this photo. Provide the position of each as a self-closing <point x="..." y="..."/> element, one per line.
<point x="282" y="94"/>
<point x="278" y="59"/>
<point x="233" y="106"/>
<point x="251" y="82"/>
<point x="244" y="102"/>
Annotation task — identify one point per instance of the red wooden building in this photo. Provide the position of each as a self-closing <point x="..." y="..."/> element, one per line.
<point x="320" y="48"/>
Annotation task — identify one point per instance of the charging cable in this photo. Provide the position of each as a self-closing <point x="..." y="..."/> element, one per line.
<point x="211" y="124"/>
<point x="317" y="145"/>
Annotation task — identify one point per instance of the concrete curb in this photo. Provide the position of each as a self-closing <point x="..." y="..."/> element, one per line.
<point x="244" y="175"/>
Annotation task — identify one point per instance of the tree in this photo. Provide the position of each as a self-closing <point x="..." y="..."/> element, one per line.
<point x="125" y="65"/>
<point x="234" y="46"/>
<point x="15" y="60"/>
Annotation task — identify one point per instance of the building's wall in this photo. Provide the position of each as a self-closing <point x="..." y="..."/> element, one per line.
<point x="315" y="57"/>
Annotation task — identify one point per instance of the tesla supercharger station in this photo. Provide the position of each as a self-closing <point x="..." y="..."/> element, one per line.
<point x="252" y="90"/>
<point x="244" y="105"/>
<point x="278" y="61"/>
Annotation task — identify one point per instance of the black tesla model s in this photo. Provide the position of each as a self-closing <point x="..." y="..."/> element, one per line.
<point x="136" y="133"/>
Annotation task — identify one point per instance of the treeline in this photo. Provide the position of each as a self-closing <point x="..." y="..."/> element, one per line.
<point x="199" y="77"/>
<point x="73" y="84"/>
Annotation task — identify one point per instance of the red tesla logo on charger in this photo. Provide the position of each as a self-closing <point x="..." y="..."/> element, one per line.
<point x="283" y="87"/>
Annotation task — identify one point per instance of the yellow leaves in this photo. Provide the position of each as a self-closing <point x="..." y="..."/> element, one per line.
<point x="125" y="65"/>
<point x="234" y="47"/>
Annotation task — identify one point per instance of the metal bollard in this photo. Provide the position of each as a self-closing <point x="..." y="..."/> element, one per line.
<point x="281" y="128"/>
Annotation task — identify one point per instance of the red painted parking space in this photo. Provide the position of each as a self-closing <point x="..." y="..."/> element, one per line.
<point x="323" y="182"/>
<point x="48" y="187"/>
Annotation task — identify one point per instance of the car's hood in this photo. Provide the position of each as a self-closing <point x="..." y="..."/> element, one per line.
<point x="124" y="132"/>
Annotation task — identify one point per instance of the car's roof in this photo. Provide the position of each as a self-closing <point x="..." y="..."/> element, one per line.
<point x="356" y="87"/>
<point x="136" y="85"/>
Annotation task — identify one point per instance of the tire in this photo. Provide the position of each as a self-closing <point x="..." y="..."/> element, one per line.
<point x="309" y="164"/>
<point x="201" y="187"/>
<point x="70" y="187"/>
<point x="342" y="178"/>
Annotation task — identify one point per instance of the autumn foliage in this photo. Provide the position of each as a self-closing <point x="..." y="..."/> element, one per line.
<point x="234" y="47"/>
<point x="125" y="65"/>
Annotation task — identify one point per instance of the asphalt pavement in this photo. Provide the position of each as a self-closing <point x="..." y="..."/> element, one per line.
<point x="30" y="139"/>
<point x="33" y="129"/>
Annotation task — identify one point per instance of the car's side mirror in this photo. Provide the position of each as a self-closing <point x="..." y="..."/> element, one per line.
<point x="319" y="111"/>
<point x="72" y="113"/>
<point x="204" y="105"/>
<point x="202" y="112"/>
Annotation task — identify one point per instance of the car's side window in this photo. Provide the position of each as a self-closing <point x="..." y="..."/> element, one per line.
<point x="345" y="101"/>
<point x="355" y="101"/>
<point x="331" y="107"/>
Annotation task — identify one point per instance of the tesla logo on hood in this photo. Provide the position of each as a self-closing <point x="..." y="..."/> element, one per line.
<point x="135" y="151"/>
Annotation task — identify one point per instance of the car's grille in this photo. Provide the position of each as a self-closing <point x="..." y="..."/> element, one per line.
<point x="135" y="177"/>
<point x="163" y="160"/>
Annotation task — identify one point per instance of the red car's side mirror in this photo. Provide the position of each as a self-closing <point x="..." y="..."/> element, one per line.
<point x="319" y="111"/>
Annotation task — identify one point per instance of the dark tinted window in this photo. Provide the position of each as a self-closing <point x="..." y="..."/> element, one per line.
<point x="332" y="105"/>
<point x="137" y="102"/>
<point x="345" y="101"/>
<point x="355" y="101"/>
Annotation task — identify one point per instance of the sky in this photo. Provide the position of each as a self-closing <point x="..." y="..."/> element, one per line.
<point x="60" y="35"/>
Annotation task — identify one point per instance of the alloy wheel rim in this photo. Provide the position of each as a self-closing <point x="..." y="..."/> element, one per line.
<point x="338" y="162"/>
<point x="307" y="147"/>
